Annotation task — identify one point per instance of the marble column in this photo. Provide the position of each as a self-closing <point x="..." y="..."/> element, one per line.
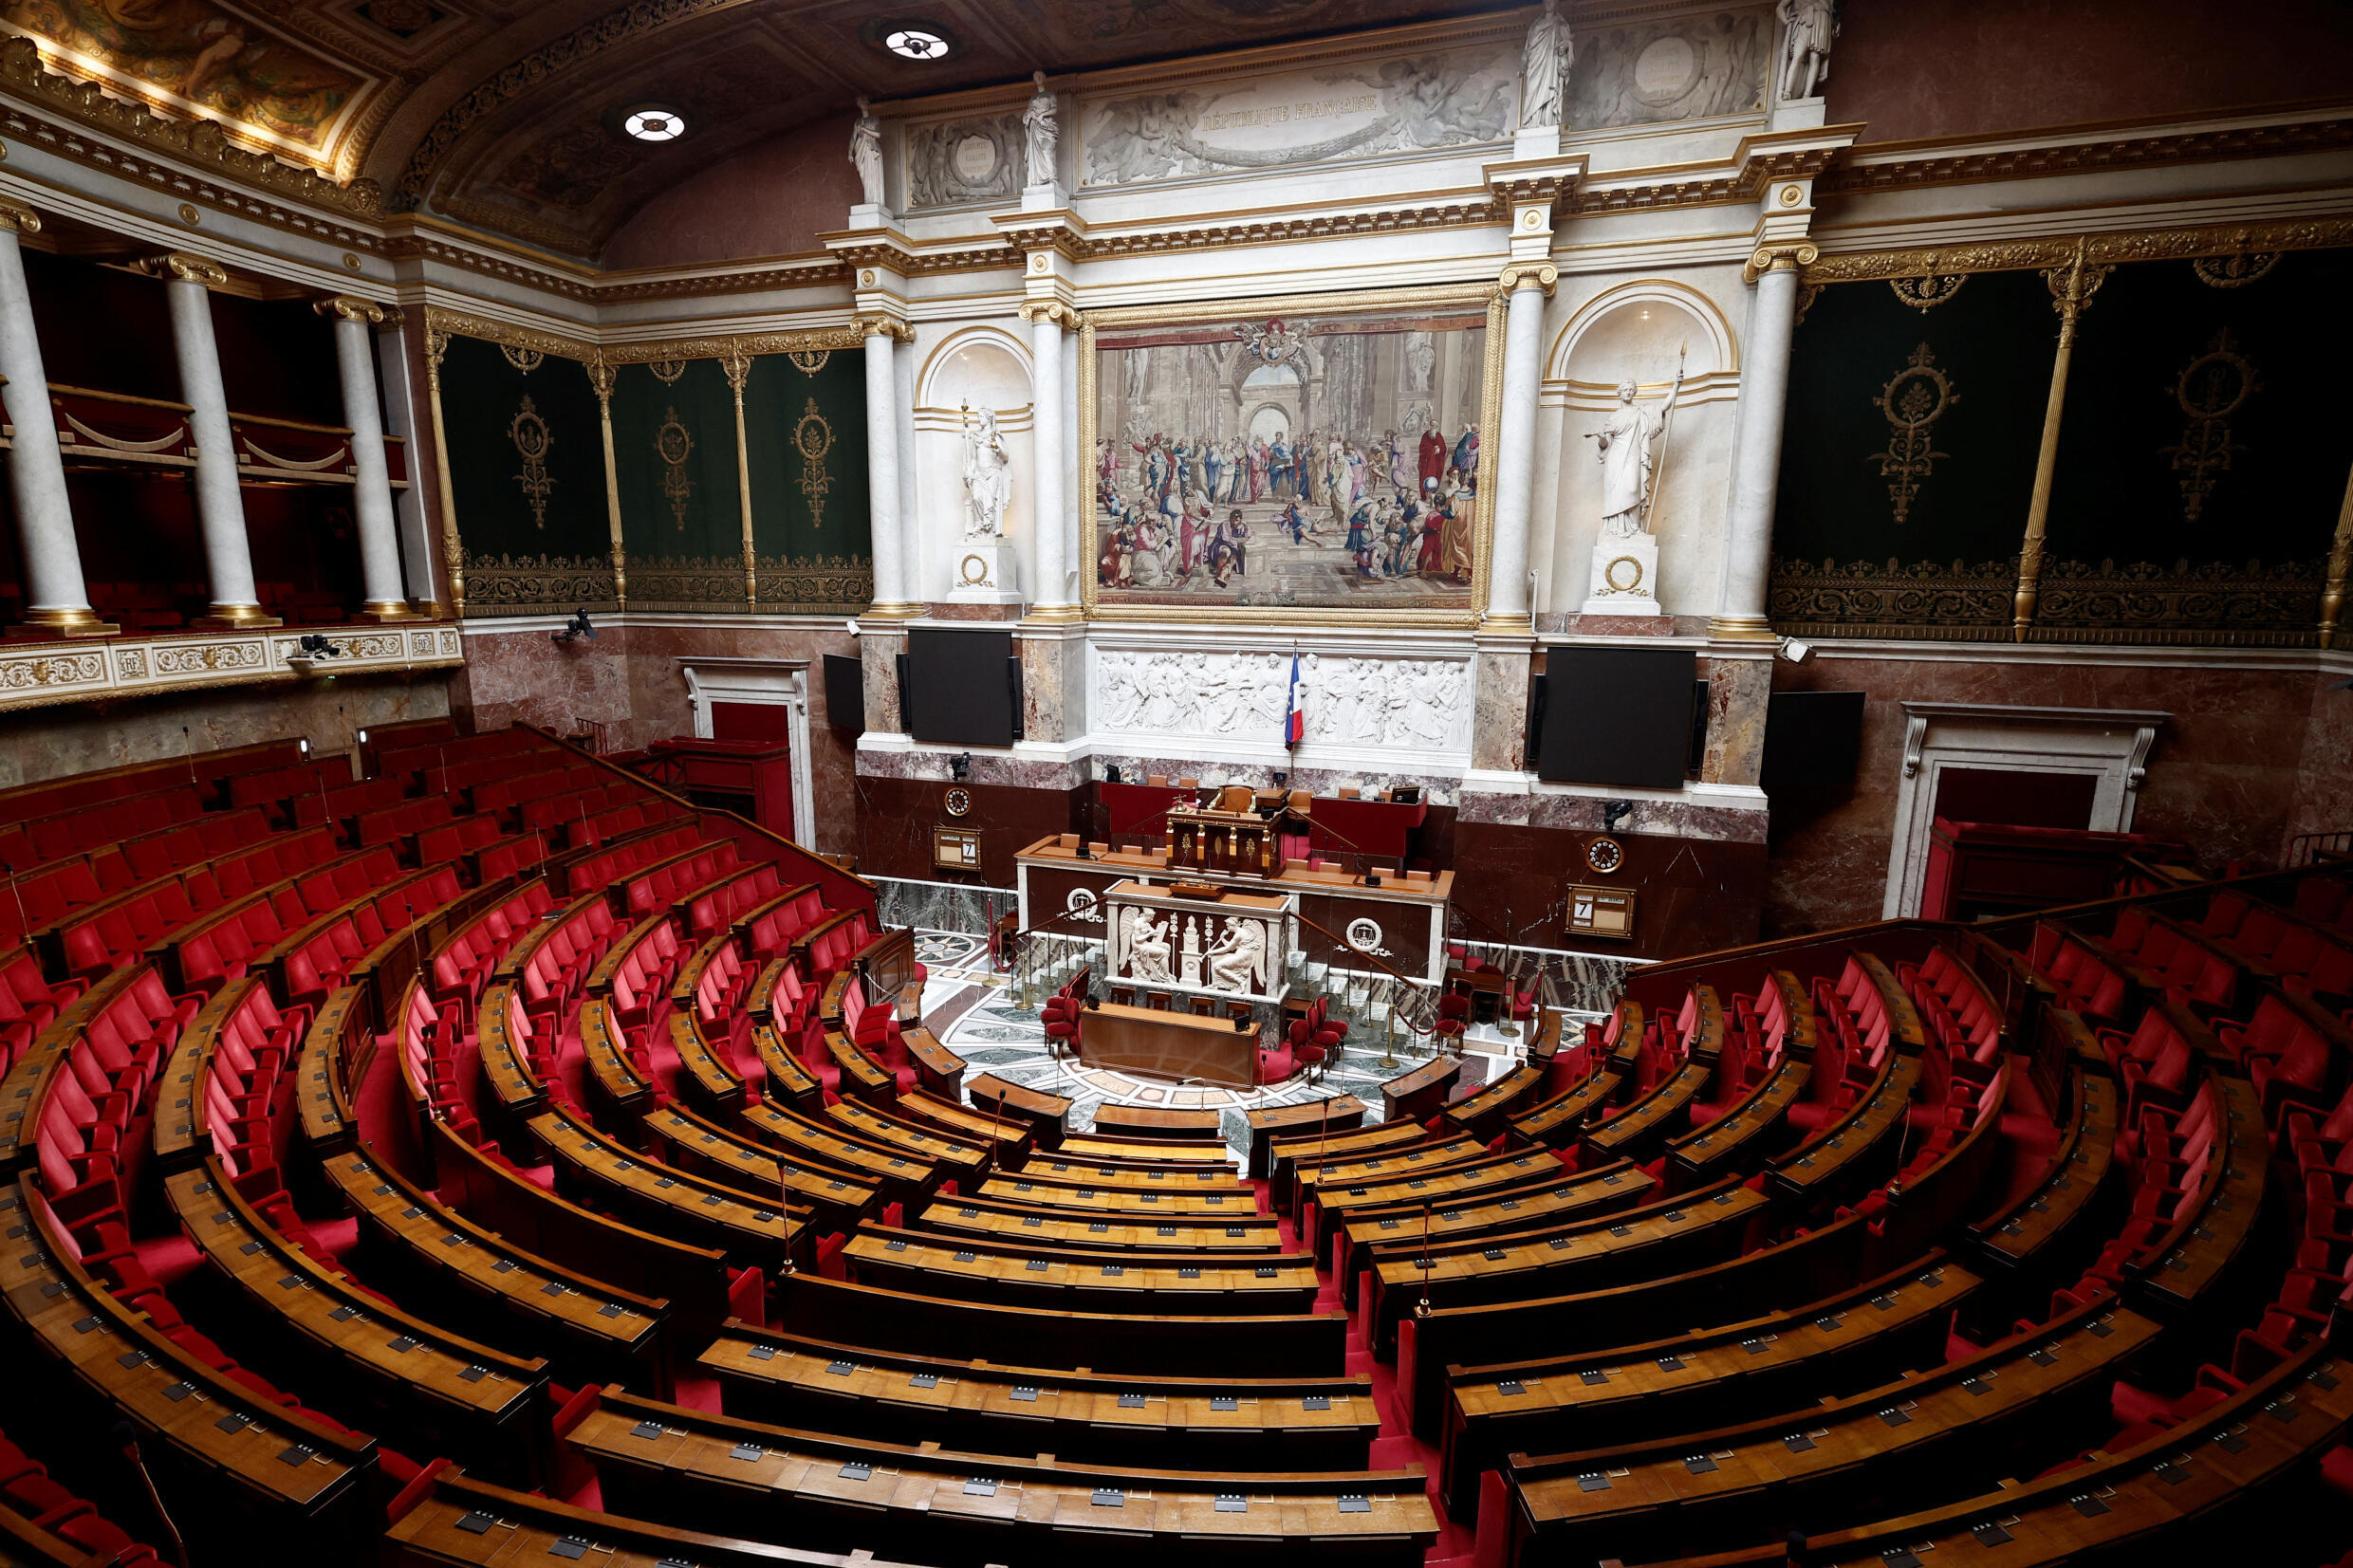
<point x="56" y="602"/>
<point x="1531" y="283"/>
<point x="1050" y="596"/>
<point x="891" y="597"/>
<point x="220" y="509"/>
<point x="1740" y="695"/>
<point x="371" y="481"/>
<point x="1764" y="403"/>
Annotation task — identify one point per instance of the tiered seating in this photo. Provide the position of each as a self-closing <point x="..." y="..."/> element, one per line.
<point x="37" y="1512"/>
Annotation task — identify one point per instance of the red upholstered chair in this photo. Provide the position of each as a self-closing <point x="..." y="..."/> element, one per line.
<point x="1060" y="1015"/>
<point x="1454" y="1019"/>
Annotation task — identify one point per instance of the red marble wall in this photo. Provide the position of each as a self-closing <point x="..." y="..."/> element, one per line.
<point x="2239" y="763"/>
<point x="1908" y="70"/>
<point x="629" y="681"/>
<point x="772" y="199"/>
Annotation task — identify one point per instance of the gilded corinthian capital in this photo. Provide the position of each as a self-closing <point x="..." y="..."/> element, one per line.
<point x="1530" y="274"/>
<point x="882" y="324"/>
<point x="345" y="307"/>
<point x="186" y="269"/>
<point x="17" y="218"/>
<point x="1065" y="315"/>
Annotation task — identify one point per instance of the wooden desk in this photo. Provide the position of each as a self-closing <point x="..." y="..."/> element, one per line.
<point x="1179" y="1422"/>
<point x="1012" y="1137"/>
<point x="505" y="1295"/>
<point x="1642" y="1130"/>
<point x="446" y="1393"/>
<point x="1519" y="1206"/>
<point x="1076" y="1195"/>
<point x="1867" y="1334"/>
<point x="809" y="1141"/>
<point x="622" y="1093"/>
<point x="1168" y="1045"/>
<point x="937" y="1068"/>
<point x="1845" y="1153"/>
<point x="835" y="1194"/>
<point x="974" y="1268"/>
<point x="1744" y="1134"/>
<point x="2069" y="1195"/>
<point x="1158" y="1121"/>
<point x="1309" y="1344"/>
<point x="337" y="1043"/>
<point x="1419" y="1093"/>
<point x="671" y="1200"/>
<point x="675" y="1463"/>
<point x="957" y="1160"/>
<point x="1485" y="987"/>
<point x="1322" y="1118"/>
<point x="1048" y="1115"/>
<point x="789" y="1080"/>
<point x="1560" y="1123"/>
<point x="975" y="1215"/>
<point x="1316" y="1144"/>
<point x="1083" y="1146"/>
<point x="1483" y="1112"/>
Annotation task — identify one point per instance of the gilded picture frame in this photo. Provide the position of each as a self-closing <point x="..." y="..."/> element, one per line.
<point x="1478" y="299"/>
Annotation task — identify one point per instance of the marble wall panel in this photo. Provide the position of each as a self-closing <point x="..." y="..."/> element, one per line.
<point x="895" y="818"/>
<point x="51" y="742"/>
<point x="2225" y="774"/>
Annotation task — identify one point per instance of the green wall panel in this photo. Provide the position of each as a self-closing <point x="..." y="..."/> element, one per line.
<point x="534" y="535"/>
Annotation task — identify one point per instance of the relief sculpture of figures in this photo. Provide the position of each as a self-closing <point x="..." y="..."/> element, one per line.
<point x="1627" y="462"/>
<point x="1237" y="961"/>
<point x="1544" y="66"/>
<point x="1040" y="133"/>
<point x="1147" y="947"/>
<point x="1808" y="26"/>
<point x="866" y="153"/>
<point x="985" y="478"/>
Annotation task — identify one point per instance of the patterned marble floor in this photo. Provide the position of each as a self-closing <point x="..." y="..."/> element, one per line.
<point x="978" y="1016"/>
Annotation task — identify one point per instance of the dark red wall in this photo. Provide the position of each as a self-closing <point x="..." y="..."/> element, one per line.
<point x="895" y="818"/>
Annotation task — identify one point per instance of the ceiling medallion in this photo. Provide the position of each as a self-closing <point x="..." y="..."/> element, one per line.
<point x="915" y="44"/>
<point x="652" y="123"/>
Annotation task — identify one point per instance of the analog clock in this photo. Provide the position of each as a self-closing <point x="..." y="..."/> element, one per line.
<point x="958" y="801"/>
<point x="1604" y="855"/>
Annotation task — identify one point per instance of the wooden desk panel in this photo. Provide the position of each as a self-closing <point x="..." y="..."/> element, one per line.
<point x="675" y="1463"/>
<point x="1642" y="1130"/>
<point x="1159" y="1122"/>
<point x="787" y="1078"/>
<point x="1073" y="1195"/>
<point x="1460" y="1182"/>
<point x="978" y="1216"/>
<point x="816" y="1145"/>
<point x="1688" y="1382"/>
<point x="513" y="1299"/>
<point x="2069" y="1194"/>
<point x="622" y="1093"/>
<point x="991" y="1269"/>
<point x="1012" y="1137"/>
<point x="1418" y="1093"/>
<point x="1168" y="1044"/>
<point x="1316" y="1144"/>
<point x="337" y="1042"/>
<point x="1047" y="1113"/>
<point x="1324" y="1119"/>
<point x="1570" y="1198"/>
<point x="1743" y="1137"/>
<point x="1307" y="1345"/>
<point x="957" y="1158"/>
<point x="708" y="1076"/>
<point x="837" y="1195"/>
<point x="668" y="1201"/>
<point x="445" y="1393"/>
<point x="1098" y="1146"/>
<point x="1483" y="1112"/>
<point x="1177" y="1423"/>
<point x="1844" y="1154"/>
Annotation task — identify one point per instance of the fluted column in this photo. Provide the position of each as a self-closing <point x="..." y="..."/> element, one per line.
<point x="1049" y="598"/>
<point x="1756" y="461"/>
<point x="883" y="334"/>
<point x="371" y="481"/>
<point x="1512" y="500"/>
<point x="56" y="602"/>
<point x="220" y="509"/>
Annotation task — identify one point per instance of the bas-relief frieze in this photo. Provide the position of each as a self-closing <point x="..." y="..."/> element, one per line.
<point x="1460" y="98"/>
<point x="1417" y="709"/>
<point x="37" y="674"/>
<point x="952" y="161"/>
<point x="1685" y="68"/>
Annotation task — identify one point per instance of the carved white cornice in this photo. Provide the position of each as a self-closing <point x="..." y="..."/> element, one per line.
<point x="1955" y="160"/>
<point x="37" y="674"/>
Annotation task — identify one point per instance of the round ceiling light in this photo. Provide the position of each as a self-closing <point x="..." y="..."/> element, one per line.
<point x="915" y="44"/>
<point x="653" y="124"/>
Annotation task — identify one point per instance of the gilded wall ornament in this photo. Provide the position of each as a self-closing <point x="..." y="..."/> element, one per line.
<point x="2209" y="388"/>
<point x="1913" y="402"/>
<point x="1806" y="295"/>
<point x="532" y="439"/>
<point x="813" y="438"/>
<point x="524" y="359"/>
<point x="667" y="371"/>
<point x="809" y="362"/>
<point x="2235" y="271"/>
<point x="674" y="446"/>
<point x="1929" y="290"/>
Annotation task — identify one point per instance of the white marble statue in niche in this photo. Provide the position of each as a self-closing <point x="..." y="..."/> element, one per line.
<point x="1544" y="67"/>
<point x="1039" y="132"/>
<point x="1808" y="28"/>
<point x="866" y="153"/>
<point x="1190" y="974"/>
<point x="986" y="479"/>
<point x="1237" y="961"/>
<point x="1624" y="443"/>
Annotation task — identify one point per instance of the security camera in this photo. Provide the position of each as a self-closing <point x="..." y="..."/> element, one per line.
<point x="960" y="766"/>
<point x="1794" y="650"/>
<point x="577" y="629"/>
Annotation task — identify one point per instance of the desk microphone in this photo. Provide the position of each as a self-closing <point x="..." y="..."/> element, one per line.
<point x="127" y="1436"/>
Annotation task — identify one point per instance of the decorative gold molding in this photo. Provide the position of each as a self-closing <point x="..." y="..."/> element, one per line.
<point x="39" y="674"/>
<point x="2071" y="289"/>
<point x="17" y="218"/>
<point x="1781" y="256"/>
<point x="2059" y="250"/>
<point x="459" y="324"/>
<point x="880" y="324"/>
<point x="200" y="142"/>
<point x="1973" y="165"/>
<point x="345" y="307"/>
<point x="186" y="269"/>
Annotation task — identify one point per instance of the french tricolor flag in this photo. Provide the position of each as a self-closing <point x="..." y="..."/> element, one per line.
<point x="1295" y="721"/>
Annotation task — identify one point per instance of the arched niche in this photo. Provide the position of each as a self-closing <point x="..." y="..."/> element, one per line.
<point x="1636" y="330"/>
<point x="982" y="365"/>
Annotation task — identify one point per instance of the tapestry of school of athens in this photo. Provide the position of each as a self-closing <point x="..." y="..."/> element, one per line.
<point x="1316" y="462"/>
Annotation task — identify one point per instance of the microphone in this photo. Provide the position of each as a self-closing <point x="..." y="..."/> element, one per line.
<point x="128" y="1437"/>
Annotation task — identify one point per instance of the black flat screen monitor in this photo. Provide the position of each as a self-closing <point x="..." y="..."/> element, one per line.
<point x="846" y="694"/>
<point x="1813" y="740"/>
<point x="957" y="694"/>
<point x="1618" y="715"/>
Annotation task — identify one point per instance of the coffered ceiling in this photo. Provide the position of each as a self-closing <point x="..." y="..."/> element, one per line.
<point x="506" y="114"/>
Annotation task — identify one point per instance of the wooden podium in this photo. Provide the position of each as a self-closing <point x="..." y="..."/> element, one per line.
<point x="1159" y="1044"/>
